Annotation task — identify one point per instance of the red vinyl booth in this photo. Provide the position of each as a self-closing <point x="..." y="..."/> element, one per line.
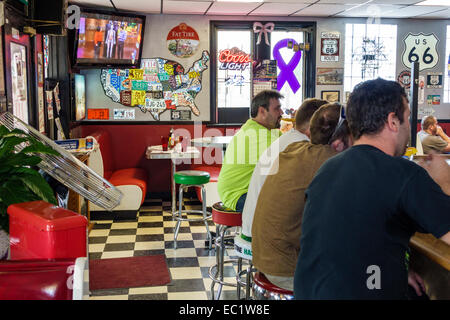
<point x="212" y="196"/>
<point x="131" y="181"/>
<point x="58" y="279"/>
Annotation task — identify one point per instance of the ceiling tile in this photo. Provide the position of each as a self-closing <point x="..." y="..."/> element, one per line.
<point x="442" y="14"/>
<point x="369" y="10"/>
<point x="151" y="6"/>
<point x="232" y="8"/>
<point x="290" y="1"/>
<point x="278" y="9"/>
<point x="412" y="11"/>
<point x="408" y="2"/>
<point x="342" y="1"/>
<point x="185" y="7"/>
<point x="103" y="3"/>
<point x="323" y="10"/>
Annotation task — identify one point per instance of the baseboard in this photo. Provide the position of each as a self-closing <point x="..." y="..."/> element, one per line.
<point x="118" y="215"/>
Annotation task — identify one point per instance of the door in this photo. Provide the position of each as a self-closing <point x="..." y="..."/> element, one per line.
<point x="17" y="68"/>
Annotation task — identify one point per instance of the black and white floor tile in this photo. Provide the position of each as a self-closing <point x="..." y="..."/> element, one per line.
<point x="152" y="233"/>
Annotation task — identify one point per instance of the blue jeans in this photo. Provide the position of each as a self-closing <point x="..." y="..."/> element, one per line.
<point x="241" y="202"/>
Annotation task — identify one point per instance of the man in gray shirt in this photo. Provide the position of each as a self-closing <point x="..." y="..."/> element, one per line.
<point x="433" y="138"/>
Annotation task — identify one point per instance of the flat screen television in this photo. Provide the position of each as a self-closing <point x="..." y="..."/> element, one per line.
<point x="79" y="96"/>
<point x="108" y="39"/>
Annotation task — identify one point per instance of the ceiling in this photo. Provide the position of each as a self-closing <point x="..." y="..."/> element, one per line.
<point x="293" y="8"/>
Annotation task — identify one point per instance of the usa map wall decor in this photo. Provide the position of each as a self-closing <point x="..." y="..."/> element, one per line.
<point x="159" y="85"/>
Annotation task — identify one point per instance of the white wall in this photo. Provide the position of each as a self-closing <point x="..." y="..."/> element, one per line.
<point x="158" y="26"/>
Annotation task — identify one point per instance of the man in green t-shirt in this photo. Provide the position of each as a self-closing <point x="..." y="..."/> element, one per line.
<point x="247" y="145"/>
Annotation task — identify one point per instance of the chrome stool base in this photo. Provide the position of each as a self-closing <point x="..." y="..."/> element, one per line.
<point x="248" y="283"/>
<point x="177" y="215"/>
<point x="216" y="273"/>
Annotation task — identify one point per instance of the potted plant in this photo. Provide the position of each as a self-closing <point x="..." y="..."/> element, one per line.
<point x="19" y="181"/>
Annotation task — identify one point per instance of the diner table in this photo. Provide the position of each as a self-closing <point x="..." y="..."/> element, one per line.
<point x="174" y="154"/>
<point x="213" y="142"/>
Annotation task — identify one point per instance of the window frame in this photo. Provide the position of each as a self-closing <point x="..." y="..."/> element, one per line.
<point x="237" y="116"/>
<point x="446" y="80"/>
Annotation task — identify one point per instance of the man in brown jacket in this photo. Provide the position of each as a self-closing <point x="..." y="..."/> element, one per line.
<point x="277" y="222"/>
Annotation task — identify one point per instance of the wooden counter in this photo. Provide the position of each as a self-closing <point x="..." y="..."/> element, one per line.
<point x="435" y="249"/>
<point x="430" y="258"/>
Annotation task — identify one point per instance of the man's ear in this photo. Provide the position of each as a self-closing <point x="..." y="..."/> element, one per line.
<point x="261" y="110"/>
<point x="393" y="123"/>
<point x="338" y="145"/>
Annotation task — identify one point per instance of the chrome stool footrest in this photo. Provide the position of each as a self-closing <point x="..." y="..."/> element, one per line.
<point x="217" y="277"/>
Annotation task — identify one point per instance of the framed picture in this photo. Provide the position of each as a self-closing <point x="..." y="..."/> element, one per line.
<point x="19" y="81"/>
<point x="330" y="76"/>
<point x="331" y="96"/>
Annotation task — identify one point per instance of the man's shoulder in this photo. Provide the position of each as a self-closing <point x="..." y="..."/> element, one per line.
<point x="431" y="139"/>
<point x="435" y="143"/>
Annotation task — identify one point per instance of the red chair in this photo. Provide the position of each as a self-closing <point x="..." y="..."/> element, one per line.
<point x="60" y="279"/>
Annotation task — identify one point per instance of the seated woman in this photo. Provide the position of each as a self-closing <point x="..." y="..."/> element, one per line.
<point x="277" y="221"/>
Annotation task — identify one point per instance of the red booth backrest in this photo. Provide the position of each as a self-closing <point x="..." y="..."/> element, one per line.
<point x="104" y="140"/>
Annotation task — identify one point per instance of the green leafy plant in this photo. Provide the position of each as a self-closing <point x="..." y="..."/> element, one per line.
<point x="19" y="181"/>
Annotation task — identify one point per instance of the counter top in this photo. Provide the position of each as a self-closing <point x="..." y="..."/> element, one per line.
<point x="435" y="249"/>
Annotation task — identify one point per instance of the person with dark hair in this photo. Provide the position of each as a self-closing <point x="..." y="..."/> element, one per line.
<point x="269" y="158"/>
<point x="364" y="204"/>
<point x="122" y="36"/>
<point x="432" y="137"/>
<point x="278" y="213"/>
<point x="247" y="145"/>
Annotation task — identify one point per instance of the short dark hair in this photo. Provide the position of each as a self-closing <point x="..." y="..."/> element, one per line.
<point x="306" y="110"/>
<point x="371" y="102"/>
<point x="427" y="122"/>
<point x="324" y="122"/>
<point x="262" y="99"/>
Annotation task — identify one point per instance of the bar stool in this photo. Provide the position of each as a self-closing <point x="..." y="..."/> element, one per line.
<point x="263" y="289"/>
<point x="243" y="249"/>
<point x="186" y="179"/>
<point x="224" y="219"/>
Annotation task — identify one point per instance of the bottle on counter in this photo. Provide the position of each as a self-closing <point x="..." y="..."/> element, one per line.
<point x="171" y="139"/>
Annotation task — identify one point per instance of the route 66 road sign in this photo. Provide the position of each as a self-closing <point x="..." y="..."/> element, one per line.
<point x="421" y="48"/>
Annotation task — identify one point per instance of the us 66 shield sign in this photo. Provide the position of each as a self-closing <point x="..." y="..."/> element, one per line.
<point x="329" y="46"/>
<point x="421" y="48"/>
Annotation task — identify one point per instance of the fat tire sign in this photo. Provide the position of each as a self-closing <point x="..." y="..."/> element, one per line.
<point x="421" y="48"/>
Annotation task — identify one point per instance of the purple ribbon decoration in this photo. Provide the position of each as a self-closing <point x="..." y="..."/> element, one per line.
<point x="287" y="70"/>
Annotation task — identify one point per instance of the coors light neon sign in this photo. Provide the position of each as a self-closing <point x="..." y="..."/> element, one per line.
<point x="234" y="59"/>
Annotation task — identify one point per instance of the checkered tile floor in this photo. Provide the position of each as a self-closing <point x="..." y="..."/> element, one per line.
<point x="152" y="233"/>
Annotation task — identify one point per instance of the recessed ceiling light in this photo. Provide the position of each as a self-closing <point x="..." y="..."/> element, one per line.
<point x="443" y="3"/>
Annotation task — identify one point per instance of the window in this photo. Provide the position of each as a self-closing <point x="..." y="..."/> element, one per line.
<point x="232" y="88"/>
<point x="291" y="99"/>
<point x="370" y="52"/>
<point x="447" y="74"/>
